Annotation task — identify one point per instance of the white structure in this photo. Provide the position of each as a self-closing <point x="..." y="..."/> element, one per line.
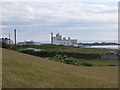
<point x="58" y="40"/>
<point x="6" y="40"/>
<point x="29" y="43"/>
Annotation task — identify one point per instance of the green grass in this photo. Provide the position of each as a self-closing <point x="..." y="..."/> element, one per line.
<point x="72" y="57"/>
<point x="25" y="71"/>
<point x="98" y="62"/>
<point x="92" y="62"/>
<point x="64" y="48"/>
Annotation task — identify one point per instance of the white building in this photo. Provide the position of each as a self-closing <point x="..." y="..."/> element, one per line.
<point x="58" y="40"/>
<point x="29" y="43"/>
<point x="26" y="43"/>
<point x="6" y="40"/>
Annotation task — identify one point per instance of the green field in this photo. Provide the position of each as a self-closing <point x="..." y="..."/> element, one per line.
<point x="81" y="56"/>
<point x="26" y="71"/>
<point x="64" y="48"/>
<point x="99" y="62"/>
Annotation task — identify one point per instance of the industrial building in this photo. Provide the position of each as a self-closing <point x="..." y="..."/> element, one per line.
<point x="6" y="40"/>
<point x="58" y="40"/>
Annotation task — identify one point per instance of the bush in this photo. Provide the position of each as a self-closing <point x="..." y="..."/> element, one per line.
<point x="111" y="65"/>
<point x="31" y="52"/>
<point x="86" y="64"/>
<point x="63" y="55"/>
<point x="80" y="55"/>
<point x="65" y="59"/>
<point x="5" y="45"/>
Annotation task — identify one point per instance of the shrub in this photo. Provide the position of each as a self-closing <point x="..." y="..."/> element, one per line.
<point x="31" y="52"/>
<point x="63" y="55"/>
<point x="86" y="64"/>
<point x="65" y="59"/>
<point x="57" y="56"/>
<point x="5" y="45"/>
<point x="111" y="65"/>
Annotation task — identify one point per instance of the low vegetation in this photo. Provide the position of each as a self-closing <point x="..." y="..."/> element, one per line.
<point x="80" y="59"/>
<point x="27" y="71"/>
<point x="68" y="54"/>
<point x="61" y="48"/>
<point x="74" y="55"/>
<point x="80" y="55"/>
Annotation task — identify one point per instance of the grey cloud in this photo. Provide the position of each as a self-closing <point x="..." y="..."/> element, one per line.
<point x="35" y="19"/>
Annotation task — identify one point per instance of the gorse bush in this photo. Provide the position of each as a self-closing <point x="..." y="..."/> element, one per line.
<point x="58" y="57"/>
<point x="80" y="55"/>
<point x="65" y="59"/>
<point x="8" y="46"/>
<point x="5" y="45"/>
<point x="86" y="64"/>
<point x="68" y="54"/>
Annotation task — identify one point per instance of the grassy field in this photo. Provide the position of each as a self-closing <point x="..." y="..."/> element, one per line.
<point x="26" y="71"/>
<point x="99" y="62"/>
<point x="64" y="48"/>
<point x="81" y="56"/>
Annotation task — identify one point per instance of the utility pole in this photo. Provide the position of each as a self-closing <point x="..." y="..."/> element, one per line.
<point x="15" y="36"/>
<point x="9" y="38"/>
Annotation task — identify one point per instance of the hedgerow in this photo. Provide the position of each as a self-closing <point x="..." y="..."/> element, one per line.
<point x="68" y="54"/>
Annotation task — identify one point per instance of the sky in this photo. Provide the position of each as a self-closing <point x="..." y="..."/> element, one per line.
<point x="88" y="20"/>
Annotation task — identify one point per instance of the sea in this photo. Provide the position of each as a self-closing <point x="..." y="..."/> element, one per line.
<point x="105" y="46"/>
<point x="96" y="46"/>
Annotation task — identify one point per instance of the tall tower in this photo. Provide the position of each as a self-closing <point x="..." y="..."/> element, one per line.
<point x="15" y="36"/>
<point x="9" y="38"/>
<point x="51" y="38"/>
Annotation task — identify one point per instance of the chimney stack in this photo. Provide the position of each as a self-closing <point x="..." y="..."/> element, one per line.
<point x="51" y="38"/>
<point x="15" y="36"/>
<point x="9" y="38"/>
<point x="68" y="38"/>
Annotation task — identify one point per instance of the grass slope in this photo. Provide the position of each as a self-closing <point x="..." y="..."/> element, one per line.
<point x="26" y="71"/>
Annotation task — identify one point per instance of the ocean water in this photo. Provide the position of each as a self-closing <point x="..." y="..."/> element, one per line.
<point x="105" y="46"/>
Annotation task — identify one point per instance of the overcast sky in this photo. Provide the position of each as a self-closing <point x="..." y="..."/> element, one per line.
<point x="85" y="21"/>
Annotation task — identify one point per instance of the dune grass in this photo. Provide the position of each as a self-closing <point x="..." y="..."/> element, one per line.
<point x="26" y="71"/>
